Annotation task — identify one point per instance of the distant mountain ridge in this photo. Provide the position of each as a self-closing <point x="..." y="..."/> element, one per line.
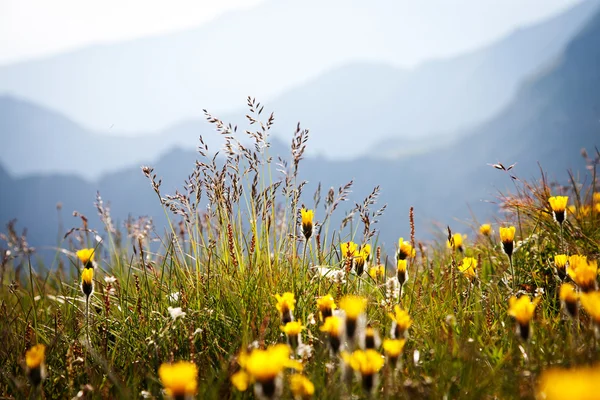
<point x="551" y="118"/>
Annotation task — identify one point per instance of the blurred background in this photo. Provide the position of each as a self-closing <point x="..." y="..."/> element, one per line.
<point x="419" y="97"/>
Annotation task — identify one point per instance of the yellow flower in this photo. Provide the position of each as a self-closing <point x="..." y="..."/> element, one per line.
<point x="405" y="250"/>
<point x="292" y="328"/>
<point x="326" y="306"/>
<point x="591" y="304"/>
<point x="353" y="306"/>
<point x="468" y="267"/>
<point x="367" y="362"/>
<point x="596" y="198"/>
<point x="35" y="356"/>
<point x="34" y="359"/>
<point x="301" y="386"/>
<point x="583" y="272"/>
<point x="560" y="261"/>
<point x="401" y="322"/>
<point x="286" y="303"/>
<point x="507" y="237"/>
<point x="377" y="272"/>
<point x="365" y="251"/>
<point x="332" y="326"/>
<point x="522" y="309"/>
<point x="456" y="242"/>
<point x="362" y="257"/>
<point x="577" y="383"/>
<point x="307" y="222"/>
<point x="241" y="380"/>
<point x="559" y="205"/>
<point x="179" y="379"/>
<point x="568" y="296"/>
<point x="265" y="365"/>
<point x="401" y="271"/>
<point x="485" y="229"/>
<point x="87" y="281"/>
<point x="393" y="347"/>
<point x="349" y="249"/>
<point x="371" y="338"/>
<point x="86" y="256"/>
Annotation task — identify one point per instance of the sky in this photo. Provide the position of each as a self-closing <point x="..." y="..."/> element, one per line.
<point x="35" y="28"/>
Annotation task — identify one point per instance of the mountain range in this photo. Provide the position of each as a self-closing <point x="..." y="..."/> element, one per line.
<point x="551" y="118"/>
<point x="159" y="86"/>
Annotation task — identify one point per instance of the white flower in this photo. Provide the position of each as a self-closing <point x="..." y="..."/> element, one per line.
<point x="304" y="351"/>
<point x="146" y="394"/>
<point x="336" y="275"/>
<point x="176" y="312"/>
<point x="174" y="297"/>
<point x="110" y="279"/>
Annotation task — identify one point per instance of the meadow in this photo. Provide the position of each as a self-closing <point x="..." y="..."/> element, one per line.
<point x="259" y="295"/>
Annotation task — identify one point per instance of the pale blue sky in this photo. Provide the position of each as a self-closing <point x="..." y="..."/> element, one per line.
<point x="34" y="28"/>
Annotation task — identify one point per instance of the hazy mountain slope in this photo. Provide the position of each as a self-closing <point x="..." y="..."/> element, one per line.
<point x="552" y="117"/>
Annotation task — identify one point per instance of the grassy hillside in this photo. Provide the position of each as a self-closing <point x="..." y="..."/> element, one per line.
<point x="216" y="289"/>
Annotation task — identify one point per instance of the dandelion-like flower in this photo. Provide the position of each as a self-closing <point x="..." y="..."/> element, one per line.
<point x="334" y="328"/>
<point x="377" y="272"/>
<point x="367" y="363"/>
<point x="180" y="379"/>
<point x="468" y="266"/>
<point x="326" y="305"/>
<point x="583" y="272"/>
<point x="36" y="368"/>
<point x="401" y="271"/>
<point x="87" y="257"/>
<point x="401" y="321"/>
<point x="591" y="304"/>
<point x="568" y="296"/>
<point x="560" y="262"/>
<point x="307" y="222"/>
<point x="285" y="305"/>
<point x="576" y="383"/>
<point x="354" y="307"/>
<point x="522" y="309"/>
<point x="301" y="387"/>
<point x="349" y="249"/>
<point x="559" y="206"/>
<point x="292" y="330"/>
<point x="485" y="229"/>
<point x="393" y="348"/>
<point x="87" y="281"/>
<point x="456" y="242"/>
<point x="362" y="258"/>
<point x="264" y="369"/>
<point x="405" y="250"/>
<point x="507" y="237"/>
<point x="371" y="339"/>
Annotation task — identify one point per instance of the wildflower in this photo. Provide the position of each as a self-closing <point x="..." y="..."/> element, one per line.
<point x="371" y="339"/>
<point x="559" y="205"/>
<point x="377" y="272"/>
<point x="596" y="197"/>
<point x="401" y="321"/>
<point x="456" y="242"/>
<point x="468" y="267"/>
<point x="301" y="387"/>
<point x="180" y="379"/>
<point x="568" y="296"/>
<point x="349" y="249"/>
<point x="87" y="281"/>
<point x="560" y="262"/>
<point x="87" y="257"/>
<point x="574" y="383"/>
<point x="34" y="359"/>
<point x="507" y="237"/>
<point x="292" y="330"/>
<point x="591" y="304"/>
<point x="285" y="305"/>
<point x="110" y="279"/>
<point x="401" y="271"/>
<point x="353" y="306"/>
<point x="336" y="275"/>
<point x="326" y="306"/>
<point x="333" y="327"/>
<point x="485" y="229"/>
<point x="405" y="250"/>
<point x="583" y="272"/>
<point x="393" y="348"/>
<point x="361" y="258"/>
<point x="307" y="222"/>
<point x="366" y="362"/>
<point x="176" y="312"/>
<point x="522" y="310"/>
<point x="264" y="368"/>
